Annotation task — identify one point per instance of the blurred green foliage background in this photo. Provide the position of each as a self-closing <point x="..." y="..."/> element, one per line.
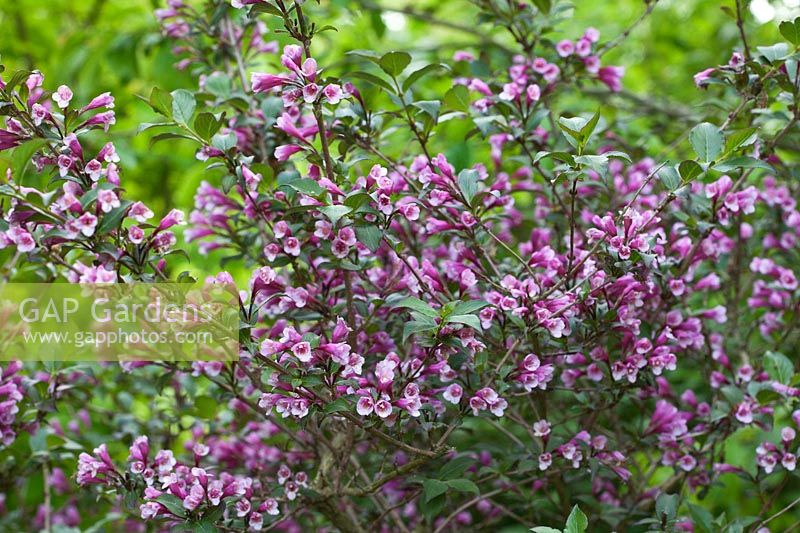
<point x="115" y="45"/>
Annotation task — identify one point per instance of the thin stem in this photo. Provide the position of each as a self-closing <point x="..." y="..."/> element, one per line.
<point x="740" y="25"/>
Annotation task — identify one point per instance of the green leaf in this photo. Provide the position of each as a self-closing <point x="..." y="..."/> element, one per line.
<point x="545" y="529"/>
<point x="393" y="63"/>
<point x="457" y="98"/>
<point x="224" y="142"/>
<point x="173" y="503"/>
<point x="430" y="107"/>
<point x="204" y="526"/>
<point x="776" y="52"/>
<point x="228" y="181"/>
<point x="326" y="27"/>
<point x="113" y="218"/>
<point x="791" y="30"/>
<point x="689" y="170"/>
<point x="618" y="155"/>
<point x="469" y="320"/>
<point x="183" y="106"/>
<point x="667" y="507"/>
<point x="373" y="79"/>
<point x="148" y="125"/>
<point x="576" y="522"/>
<point x="543" y="5"/>
<point x="565" y="157"/>
<point x="418" y="305"/>
<point x="707" y="141"/>
<point x="265" y="7"/>
<point x="467" y="308"/>
<point x="167" y="136"/>
<point x="468" y="183"/>
<point x="431" y="488"/>
<point x="670" y="178"/>
<point x="22" y="154"/>
<point x="701" y="519"/>
<point x="573" y="127"/>
<point x="161" y="102"/>
<point x="18" y="77"/>
<point x="598" y="163"/>
<point x="779" y="367"/>
<point x="366" y="54"/>
<point x="433" y="508"/>
<point x="486" y="124"/>
<point x="219" y="85"/>
<point x="738" y="138"/>
<point x="339" y="405"/>
<point x="587" y="130"/>
<point x="463" y="485"/>
<point x="417" y="326"/>
<point x="742" y="162"/>
<point x="417" y="74"/>
<point x="369" y="235"/>
<point x="89" y="197"/>
<point x="357" y="199"/>
<point x="206" y="125"/>
<point x="205" y="407"/>
<point x="455" y="467"/>
<point x="335" y="212"/>
<point x="306" y="186"/>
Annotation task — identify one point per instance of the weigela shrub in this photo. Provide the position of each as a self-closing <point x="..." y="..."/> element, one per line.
<point x="426" y="345"/>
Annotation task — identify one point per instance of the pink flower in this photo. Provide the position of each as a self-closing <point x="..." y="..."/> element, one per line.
<point x="611" y="77"/>
<point x="292" y="246"/>
<point x="140" y="212"/>
<point x="687" y="463"/>
<point x="533" y="93"/>
<point x="348" y="236"/>
<point x="453" y="393"/>
<point x="583" y="47"/>
<point x="565" y="48"/>
<point x="256" y="521"/>
<point x="39" y="114"/>
<point x="541" y="428"/>
<point x="20" y="237"/>
<point x="105" y="119"/>
<point x="271" y="507"/>
<point x="310" y="93"/>
<point x="511" y="92"/>
<point x="173" y="218"/>
<point x="383" y="408"/>
<point x="591" y="34"/>
<point x="102" y="100"/>
<point x="302" y="350"/>
<point x="86" y="223"/>
<point x="285" y="151"/>
<point x="365" y="406"/>
<point x="702" y="77"/>
<point x="62" y="96"/>
<point x="107" y="200"/>
<point x="333" y="93"/>
<point x="461" y="55"/>
<point x="149" y="510"/>
<point x="94" y="169"/>
<point x="260" y="82"/>
<point x="339" y="248"/>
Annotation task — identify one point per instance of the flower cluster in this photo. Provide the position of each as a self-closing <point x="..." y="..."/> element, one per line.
<point x="86" y="213"/>
<point x="11" y="393"/>
<point x="431" y="341"/>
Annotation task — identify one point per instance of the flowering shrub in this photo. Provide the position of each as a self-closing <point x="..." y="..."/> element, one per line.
<point x="425" y="345"/>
